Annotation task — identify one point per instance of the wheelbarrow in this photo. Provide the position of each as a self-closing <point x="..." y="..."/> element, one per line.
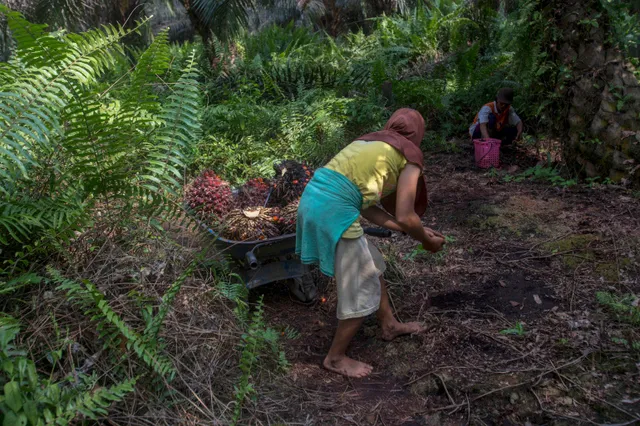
<point x="274" y="259"/>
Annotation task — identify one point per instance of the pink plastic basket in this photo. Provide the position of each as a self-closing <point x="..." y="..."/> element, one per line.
<point x="487" y="152"/>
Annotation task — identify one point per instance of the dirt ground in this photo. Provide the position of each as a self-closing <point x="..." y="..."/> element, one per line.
<point x="516" y="335"/>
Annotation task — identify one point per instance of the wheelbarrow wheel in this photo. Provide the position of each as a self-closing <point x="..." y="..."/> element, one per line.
<point x="304" y="288"/>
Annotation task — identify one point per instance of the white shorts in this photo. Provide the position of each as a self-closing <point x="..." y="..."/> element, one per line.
<point x="358" y="268"/>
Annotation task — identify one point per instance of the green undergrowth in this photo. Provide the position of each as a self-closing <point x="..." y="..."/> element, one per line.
<point x="290" y="92"/>
<point x="34" y="399"/>
<point x="624" y="308"/>
<point x="550" y="175"/>
<point x="87" y="135"/>
<point x="99" y="139"/>
<point x="260" y="348"/>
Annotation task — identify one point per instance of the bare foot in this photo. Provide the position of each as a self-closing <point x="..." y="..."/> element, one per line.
<point x="391" y="330"/>
<point x="347" y="366"/>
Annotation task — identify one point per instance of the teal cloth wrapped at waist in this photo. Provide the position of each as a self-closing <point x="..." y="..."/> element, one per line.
<point x="329" y="205"/>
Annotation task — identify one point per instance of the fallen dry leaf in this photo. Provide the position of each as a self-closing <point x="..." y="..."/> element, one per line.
<point x="514" y="304"/>
<point x="567" y="400"/>
<point x="502" y="283"/>
<point x="537" y="299"/>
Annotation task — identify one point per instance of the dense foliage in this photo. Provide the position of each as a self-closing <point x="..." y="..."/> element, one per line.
<point x="72" y="142"/>
<point x="288" y="91"/>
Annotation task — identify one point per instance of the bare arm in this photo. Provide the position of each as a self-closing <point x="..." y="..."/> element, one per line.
<point x="484" y="131"/>
<point x="376" y="215"/>
<point x="406" y="216"/>
<point x="520" y="128"/>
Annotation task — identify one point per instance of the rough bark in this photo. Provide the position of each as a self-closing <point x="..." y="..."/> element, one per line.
<point x="603" y="96"/>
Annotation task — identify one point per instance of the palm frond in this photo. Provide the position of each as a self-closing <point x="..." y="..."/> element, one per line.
<point x="87" y="296"/>
<point x="66" y="14"/>
<point x="225" y="18"/>
<point x="151" y="67"/>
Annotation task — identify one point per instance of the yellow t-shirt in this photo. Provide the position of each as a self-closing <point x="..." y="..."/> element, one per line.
<point x="374" y="167"/>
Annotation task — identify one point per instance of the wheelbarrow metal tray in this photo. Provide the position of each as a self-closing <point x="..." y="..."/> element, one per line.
<point x="281" y="246"/>
<point x="261" y="262"/>
<point x="275" y="258"/>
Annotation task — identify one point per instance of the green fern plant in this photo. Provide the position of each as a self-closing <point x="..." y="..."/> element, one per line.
<point x="67" y="144"/>
<point x="153" y="327"/>
<point x="28" y="398"/>
<point x="257" y="339"/>
<point x="166" y="159"/>
<point x="232" y="288"/>
<point x="45" y="75"/>
<point x="624" y="308"/>
<point x="19" y="282"/>
<point x="109" y="324"/>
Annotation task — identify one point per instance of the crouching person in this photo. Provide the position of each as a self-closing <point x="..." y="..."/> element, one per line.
<point x="498" y="120"/>
<point x="384" y="167"/>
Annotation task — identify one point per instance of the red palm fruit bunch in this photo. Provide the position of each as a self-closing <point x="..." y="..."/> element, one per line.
<point x="276" y="215"/>
<point x="288" y="218"/>
<point x="254" y="192"/>
<point x="291" y="179"/>
<point x="250" y="224"/>
<point x="210" y="197"/>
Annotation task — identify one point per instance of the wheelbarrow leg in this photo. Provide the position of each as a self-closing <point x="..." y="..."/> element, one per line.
<point x="304" y="288"/>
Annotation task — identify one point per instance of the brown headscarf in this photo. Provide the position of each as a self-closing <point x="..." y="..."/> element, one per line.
<point x="404" y="131"/>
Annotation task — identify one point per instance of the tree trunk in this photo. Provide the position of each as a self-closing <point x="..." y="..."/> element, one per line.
<point x="603" y="118"/>
<point x="204" y="32"/>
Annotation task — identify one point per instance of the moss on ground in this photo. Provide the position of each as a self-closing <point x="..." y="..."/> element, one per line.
<point x="522" y="216"/>
<point x="609" y="270"/>
<point x="577" y="244"/>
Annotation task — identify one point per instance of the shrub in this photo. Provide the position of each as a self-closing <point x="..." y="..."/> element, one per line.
<point x="26" y="397"/>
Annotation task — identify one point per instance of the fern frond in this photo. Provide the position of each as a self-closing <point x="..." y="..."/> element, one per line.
<point x="29" y="110"/>
<point x="153" y="63"/>
<point x="33" y="45"/>
<point x="93" y="52"/>
<point x="93" y="404"/>
<point x="21" y="219"/>
<point x="174" y="140"/>
<point x="90" y="146"/>
<point x="30" y="106"/>
<point x="87" y="295"/>
<point x="167" y="302"/>
<point x="102" y="149"/>
<point x="19" y="282"/>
